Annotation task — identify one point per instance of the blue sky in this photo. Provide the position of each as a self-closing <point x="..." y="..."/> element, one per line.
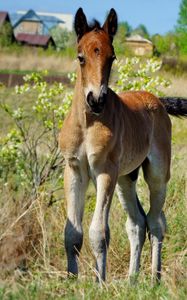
<point x="159" y="16"/>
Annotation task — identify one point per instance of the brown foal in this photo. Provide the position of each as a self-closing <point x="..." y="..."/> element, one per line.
<point x="107" y="137"/>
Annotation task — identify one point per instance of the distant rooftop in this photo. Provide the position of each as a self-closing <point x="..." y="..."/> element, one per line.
<point x="47" y="20"/>
<point x="3" y="16"/>
<point x="33" y="39"/>
<point x="66" y="19"/>
<point x="137" y="38"/>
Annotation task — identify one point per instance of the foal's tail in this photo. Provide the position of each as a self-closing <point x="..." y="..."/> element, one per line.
<point x="176" y="106"/>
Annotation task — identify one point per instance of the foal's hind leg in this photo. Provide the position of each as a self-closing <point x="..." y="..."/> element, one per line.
<point x="136" y="221"/>
<point x="156" y="176"/>
<point x="75" y="183"/>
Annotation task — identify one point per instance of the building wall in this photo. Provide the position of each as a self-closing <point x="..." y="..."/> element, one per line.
<point x="32" y="27"/>
<point x="140" y="49"/>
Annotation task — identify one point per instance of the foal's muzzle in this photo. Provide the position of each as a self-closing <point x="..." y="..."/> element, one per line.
<point x="96" y="105"/>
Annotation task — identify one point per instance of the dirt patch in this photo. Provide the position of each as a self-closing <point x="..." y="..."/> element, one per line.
<point x="11" y="80"/>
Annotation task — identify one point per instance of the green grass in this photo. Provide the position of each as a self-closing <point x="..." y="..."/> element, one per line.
<point x="85" y="289"/>
<point x="37" y="240"/>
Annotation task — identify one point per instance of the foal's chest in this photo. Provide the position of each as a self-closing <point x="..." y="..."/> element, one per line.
<point x="91" y="143"/>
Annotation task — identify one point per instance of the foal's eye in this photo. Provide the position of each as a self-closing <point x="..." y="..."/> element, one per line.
<point x="97" y="51"/>
<point x="81" y="59"/>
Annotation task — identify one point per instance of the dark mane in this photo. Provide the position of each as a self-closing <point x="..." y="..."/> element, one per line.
<point x="94" y="25"/>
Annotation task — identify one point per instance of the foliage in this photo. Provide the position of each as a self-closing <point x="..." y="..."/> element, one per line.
<point x="124" y="29"/>
<point x="182" y="19"/>
<point x="135" y="74"/>
<point x="182" y="42"/>
<point x="25" y="156"/>
<point x="166" y="45"/>
<point x="181" y="27"/>
<point x="6" y="35"/>
<point x="62" y="37"/>
<point x="141" y="30"/>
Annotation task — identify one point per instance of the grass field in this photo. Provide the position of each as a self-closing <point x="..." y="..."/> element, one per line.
<point x="37" y="60"/>
<point x="32" y="254"/>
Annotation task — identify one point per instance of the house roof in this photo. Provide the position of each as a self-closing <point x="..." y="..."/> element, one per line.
<point x="14" y="17"/>
<point x="4" y="17"/>
<point x="137" y="38"/>
<point x="67" y="19"/>
<point x="34" y="39"/>
<point x="31" y="15"/>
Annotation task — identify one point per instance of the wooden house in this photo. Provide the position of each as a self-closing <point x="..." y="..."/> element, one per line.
<point x="32" y="23"/>
<point x="139" y="46"/>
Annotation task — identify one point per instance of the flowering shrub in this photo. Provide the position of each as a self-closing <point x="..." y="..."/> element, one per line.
<point x="135" y="74"/>
<point x="29" y="153"/>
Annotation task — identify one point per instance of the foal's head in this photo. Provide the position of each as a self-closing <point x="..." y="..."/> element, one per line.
<point x="95" y="54"/>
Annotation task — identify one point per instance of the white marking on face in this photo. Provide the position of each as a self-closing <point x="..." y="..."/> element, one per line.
<point x="94" y="89"/>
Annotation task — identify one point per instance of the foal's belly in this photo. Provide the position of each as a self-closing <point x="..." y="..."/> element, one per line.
<point x="131" y="157"/>
<point x="124" y="160"/>
<point x="127" y="166"/>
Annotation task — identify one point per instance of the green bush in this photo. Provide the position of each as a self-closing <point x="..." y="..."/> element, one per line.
<point x="135" y="74"/>
<point x="166" y="45"/>
<point x="6" y="35"/>
<point x="29" y="153"/>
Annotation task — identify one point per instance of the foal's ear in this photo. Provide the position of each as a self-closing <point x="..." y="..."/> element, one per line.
<point x="80" y="24"/>
<point x="111" y="24"/>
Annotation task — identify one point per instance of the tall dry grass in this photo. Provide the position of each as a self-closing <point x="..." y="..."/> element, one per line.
<point x="178" y="85"/>
<point x="34" y="60"/>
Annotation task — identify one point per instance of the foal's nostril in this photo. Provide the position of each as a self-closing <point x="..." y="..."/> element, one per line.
<point x="96" y="104"/>
<point x="90" y="99"/>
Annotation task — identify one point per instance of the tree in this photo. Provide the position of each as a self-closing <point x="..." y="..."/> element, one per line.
<point x="6" y="35"/>
<point x="141" y="30"/>
<point x="60" y="36"/>
<point x="124" y="30"/>
<point x="182" y="20"/>
<point x="125" y="27"/>
<point x="165" y="45"/>
<point x="63" y="39"/>
<point x="182" y="27"/>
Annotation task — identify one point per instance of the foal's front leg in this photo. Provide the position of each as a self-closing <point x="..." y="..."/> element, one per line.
<point x="75" y="184"/>
<point x="99" y="230"/>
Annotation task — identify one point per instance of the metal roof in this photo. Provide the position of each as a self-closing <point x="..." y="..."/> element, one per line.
<point x="67" y="19"/>
<point x="34" y="39"/>
<point x="14" y="17"/>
